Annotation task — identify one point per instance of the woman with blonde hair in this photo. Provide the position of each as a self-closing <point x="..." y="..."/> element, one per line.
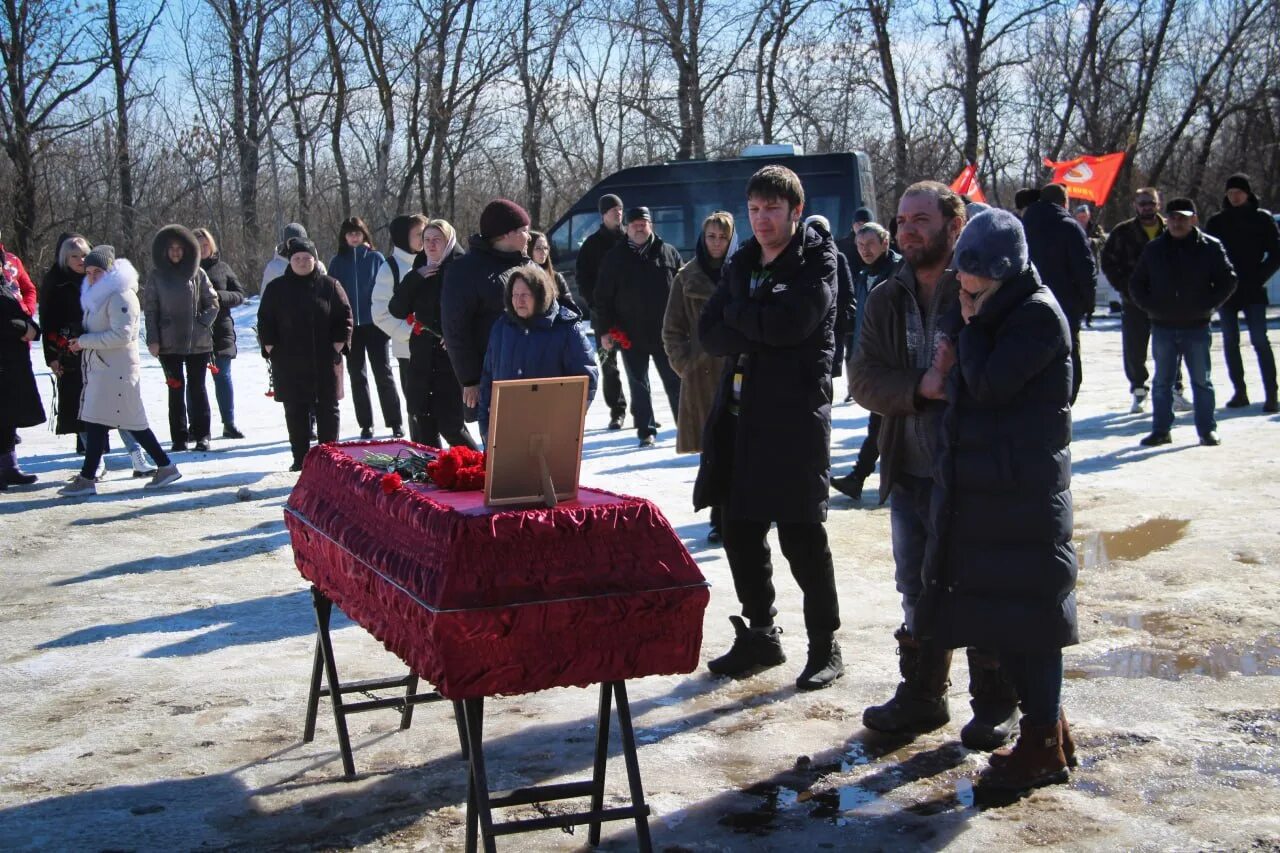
<point x="432" y="389"/>
<point x="230" y="294"/>
<point x="699" y="372"/>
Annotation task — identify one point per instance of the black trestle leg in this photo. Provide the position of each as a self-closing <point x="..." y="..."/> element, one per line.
<point x="479" y="793"/>
<point x="601" y="760"/>
<point x="633" y="766"/>
<point x="410" y="688"/>
<point x="324" y="609"/>
<point x="313" y="696"/>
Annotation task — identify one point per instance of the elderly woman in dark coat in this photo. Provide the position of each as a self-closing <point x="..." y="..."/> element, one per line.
<point x="230" y="295"/>
<point x="304" y="326"/>
<point x="180" y="306"/>
<point x="432" y="389"/>
<point x="1000" y="573"/>
<point x="537" y="337"/>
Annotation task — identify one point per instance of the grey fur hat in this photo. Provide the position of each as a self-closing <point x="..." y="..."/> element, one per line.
<point x="992" y="245"/>
<point x="101" y="257"/>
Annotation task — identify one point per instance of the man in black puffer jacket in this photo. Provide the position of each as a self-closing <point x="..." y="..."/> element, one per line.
<point x="474" y="291"/>
<point x="766" y="447"/>
<point x="590" y="257"/>
<point x="1252" y="240"/>
<point x="1182" y="277"/>
<point x="631" y="296"/>
<point x="1061" y="254"/>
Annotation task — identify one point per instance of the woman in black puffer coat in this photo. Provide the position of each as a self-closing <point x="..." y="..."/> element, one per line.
<point x="1000" y="573"/>
<point x="61" y="317"/>
<point x="431" y="389"/>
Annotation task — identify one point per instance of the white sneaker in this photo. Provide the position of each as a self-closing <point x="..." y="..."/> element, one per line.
<point x="164" y="476"/>
<point x="101" y="473"/>
<point x="141" y="468"/>
<point x="78" y="487"/>
<point x="1139" y="402"/>
<point x="1180" y="402"/>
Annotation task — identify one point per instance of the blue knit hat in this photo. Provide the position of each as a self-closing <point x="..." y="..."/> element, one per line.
<point x="992" y="245"/>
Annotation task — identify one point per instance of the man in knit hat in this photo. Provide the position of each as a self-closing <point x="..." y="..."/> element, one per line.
<point x="474" y="287"/>
<point x="590" y="256"/>
<point x="631" y="297"/>
<point x="1252" y="240"/>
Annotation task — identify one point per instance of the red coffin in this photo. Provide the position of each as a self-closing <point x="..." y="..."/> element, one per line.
<point x="482" y="602"/>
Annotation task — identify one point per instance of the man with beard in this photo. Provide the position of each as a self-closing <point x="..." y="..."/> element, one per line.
<point x="590" y="257"/>
<point x="766" y="445"/>
<point x="899" y="371"/>
<point x="1119" y="259"/>
<point x="1249" y="234"/>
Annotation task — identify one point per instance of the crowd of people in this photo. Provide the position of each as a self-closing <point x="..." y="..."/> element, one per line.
<point x="957" y="328"/>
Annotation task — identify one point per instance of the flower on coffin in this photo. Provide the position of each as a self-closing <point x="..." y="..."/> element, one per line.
<point x="459" y="469"/>
<point x="391" y="482"/>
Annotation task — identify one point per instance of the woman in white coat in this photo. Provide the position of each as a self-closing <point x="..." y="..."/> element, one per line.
<point x="112" y="395"/>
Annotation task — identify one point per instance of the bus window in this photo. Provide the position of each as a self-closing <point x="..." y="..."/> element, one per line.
<point x="568" y="237"/>
<point x="668" y="222"/>
<point x="828" y="206"/>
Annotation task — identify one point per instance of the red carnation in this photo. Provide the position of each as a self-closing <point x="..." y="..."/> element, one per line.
<point x="270" y="393"/>
<point x="620" y="337"/>
<point x="173" y="382"/>
<point x="391" y="482"/>
<point x="213" y="368"/>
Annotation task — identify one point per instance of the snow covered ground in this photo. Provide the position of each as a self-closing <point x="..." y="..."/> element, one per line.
<point x="155" y="649"/>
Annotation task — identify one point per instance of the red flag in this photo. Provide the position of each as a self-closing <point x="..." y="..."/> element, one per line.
<point x="1088" y="178"/>
<point x="966" y="184"/>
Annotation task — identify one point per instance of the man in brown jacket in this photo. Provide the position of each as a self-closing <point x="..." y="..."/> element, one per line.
<point x="899" y="371"/>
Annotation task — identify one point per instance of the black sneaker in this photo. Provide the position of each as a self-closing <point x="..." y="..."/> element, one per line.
<point x="824" y="665"/>
<point x="366" y="433"/>
<point x="397" y="432"/>
<point x="615" y="422"/>
<point x="1156" y="439"/>
<point x="714" y="537"/>
<point x="178" y="446"/>
<point x="647" y="441"/>
<point x="202" y="445"/>
<point x="231" y="432"/>
<point x="1271" y="407"/>
<point x="1210" y="439"/>
<point x="295" y="467"/>
<point x="1238" y="400"/>
<point x="752" y="649"/>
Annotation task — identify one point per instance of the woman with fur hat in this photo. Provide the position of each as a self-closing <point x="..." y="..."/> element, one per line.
<point x="536" y="337"/>
<point x="433" y="391"/>
<point x="1000" y="571"/>
<point x="180" y="305"/>
<point x="304" y="327"/>
<point x="108" y="348"/>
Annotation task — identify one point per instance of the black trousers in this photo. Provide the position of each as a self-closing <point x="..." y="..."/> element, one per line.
<point x="297" y="420"/>
<point x="97" y="445"/>
<point x="869" y="453"/>
<point x="611" y="382"/>
<point x="370" y="342"/>
<point x="804" y="544"/>
<point x="440" y="413"/>
<point x="188" y="396"/>
<point x="636" y="361"/>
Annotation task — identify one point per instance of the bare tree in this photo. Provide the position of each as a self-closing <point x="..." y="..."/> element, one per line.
<point x="778" y="20"/>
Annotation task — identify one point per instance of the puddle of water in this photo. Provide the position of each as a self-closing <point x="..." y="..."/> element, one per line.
<point x="1133" y="543"/>
<point x="1156" y="624"/>
<point x="1262" y="658"/>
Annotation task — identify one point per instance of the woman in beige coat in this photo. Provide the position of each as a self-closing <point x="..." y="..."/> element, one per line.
<point x="112" y="395"/>
<point x="699" y="373"/>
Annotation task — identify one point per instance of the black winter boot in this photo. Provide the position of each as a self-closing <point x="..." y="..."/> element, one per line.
<point x="824" y="666"/>
<point x="920" y="703"/>
<point x="11" y="474"/>
<point x="994" y="702"/>
<point x="753" y="648"/>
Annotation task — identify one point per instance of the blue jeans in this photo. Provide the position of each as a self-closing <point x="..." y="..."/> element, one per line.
<point x="909" y="528"/>
<point x="222" y="390"/>
<point x="1193" y="345"/>
<point x="1255" y="317"/>
<point x="1038" y="679"/>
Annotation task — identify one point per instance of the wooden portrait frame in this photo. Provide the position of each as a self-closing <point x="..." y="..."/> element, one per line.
<point x="534" y="447"/>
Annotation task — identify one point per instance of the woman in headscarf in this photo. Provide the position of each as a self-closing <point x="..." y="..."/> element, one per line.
<point x="180" y="306"/>
<point x="430" y="384"/>
<point x="112" y="396"/>
<point x="699" y="373"/>
<point x="537" y="337"/>
<point x="304" y="327"/>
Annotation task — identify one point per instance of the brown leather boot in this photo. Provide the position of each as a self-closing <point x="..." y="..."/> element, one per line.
<point x="919" y="704"/>
<point x="1035" y="760"/>
<point x="1068" y="745"/>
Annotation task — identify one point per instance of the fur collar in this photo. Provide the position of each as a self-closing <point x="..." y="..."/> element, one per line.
<point x="121" y="278"/>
